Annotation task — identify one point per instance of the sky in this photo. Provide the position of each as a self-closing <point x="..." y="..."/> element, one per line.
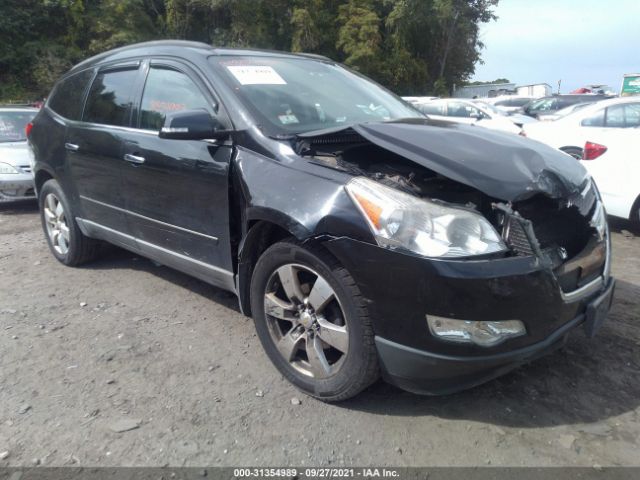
<point x="579" y="41"/>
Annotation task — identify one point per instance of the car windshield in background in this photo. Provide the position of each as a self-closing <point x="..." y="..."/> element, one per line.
<point x="12" y="125"/>
<point x="290" y="96"/>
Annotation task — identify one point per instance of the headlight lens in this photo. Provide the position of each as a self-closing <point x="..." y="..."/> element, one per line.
<point x="400" y="220"/>
<point x="6" y="168"/>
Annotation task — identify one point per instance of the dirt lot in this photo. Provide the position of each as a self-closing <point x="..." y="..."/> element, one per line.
<point x="89" y="350"/>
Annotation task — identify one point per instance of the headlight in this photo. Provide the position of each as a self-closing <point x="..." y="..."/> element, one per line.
<point x="399" y="220"/>
<point x="6" y="168"/>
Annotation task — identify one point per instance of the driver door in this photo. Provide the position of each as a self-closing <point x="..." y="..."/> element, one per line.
<point x="176" y="191"/>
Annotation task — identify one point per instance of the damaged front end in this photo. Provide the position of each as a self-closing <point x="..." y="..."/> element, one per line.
<point x="544" y="208"/>
<point x="518" y="293"/>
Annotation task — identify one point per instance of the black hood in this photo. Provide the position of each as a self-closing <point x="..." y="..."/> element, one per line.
<point x="502" y="165"/>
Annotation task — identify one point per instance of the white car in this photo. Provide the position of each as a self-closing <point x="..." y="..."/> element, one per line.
<point x="518" y="118"/>
<point x="418" y="99"/>
<point x="16" y="179"/>
<point x="570" y="132"/>
<point x="611" y="157"/>
<point x="510" y="103"/>
<point x="464" y="111"/>
<point x="563" y="112"/>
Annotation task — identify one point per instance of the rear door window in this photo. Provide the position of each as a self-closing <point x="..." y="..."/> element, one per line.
<point x="66" y="100"/>
<point x="595" y="120"/>
<point x="110" y="97"/>
<point x="462" y="110"/>
<point x="431" y="108"/>
<point x="623" y="116"/>
<point x="166" y="91"/>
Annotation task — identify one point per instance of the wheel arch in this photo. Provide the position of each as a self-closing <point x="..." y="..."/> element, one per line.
<point x="42" y="176"/>
<point x="571" y="147"/>
<point x="261" y="234"/>
<point x="634" y="214"/>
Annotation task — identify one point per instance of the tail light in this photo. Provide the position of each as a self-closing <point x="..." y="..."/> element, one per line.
<point x="592" y="151"/>
<point x="28" y="128"/>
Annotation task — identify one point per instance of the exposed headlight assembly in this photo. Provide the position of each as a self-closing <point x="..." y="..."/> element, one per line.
<point x="6" y="168"/>
<point x="399" y="220"/>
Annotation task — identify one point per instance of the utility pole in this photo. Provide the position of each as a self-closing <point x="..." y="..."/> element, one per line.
<point x="559" y="83"/>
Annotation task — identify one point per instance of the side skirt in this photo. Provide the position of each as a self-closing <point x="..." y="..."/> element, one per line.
<point x="207" y="273"/>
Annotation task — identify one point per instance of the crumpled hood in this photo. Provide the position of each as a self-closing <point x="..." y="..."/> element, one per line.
<point x="501" y="165"/>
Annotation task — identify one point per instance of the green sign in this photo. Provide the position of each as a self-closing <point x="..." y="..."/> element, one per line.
<point x="630" y="85"/>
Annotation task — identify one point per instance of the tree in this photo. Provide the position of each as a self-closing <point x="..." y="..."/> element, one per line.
<point x="410" y="46"/>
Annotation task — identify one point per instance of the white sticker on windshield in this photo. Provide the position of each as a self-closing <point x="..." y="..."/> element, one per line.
<point x="256" y="75"/>
<point x="288" y="119"/>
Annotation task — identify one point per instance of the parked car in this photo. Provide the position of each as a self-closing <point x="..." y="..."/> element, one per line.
<point x="611" y="157"/>
<point x="362" y="237"/>
<point x="546" y="105"/>
<point x="467" y="112"/>
<point x="16" y="179"/>
<point x="517" y="118"/>
<point x="570" y="132"/>
<point x="563" y="112"/>
<point x="418" y="99"/>
<point x="509" y="103"/>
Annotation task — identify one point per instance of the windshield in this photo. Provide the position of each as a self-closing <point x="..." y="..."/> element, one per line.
<point x="491" y="108"/>
<point x="291" y="95"/>
<point x="12" y="125"/>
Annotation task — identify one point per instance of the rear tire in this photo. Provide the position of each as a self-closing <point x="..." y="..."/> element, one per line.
<point x="67" y="243"/>
<point x="575" y="152"/>
<point x="313" y="322"/>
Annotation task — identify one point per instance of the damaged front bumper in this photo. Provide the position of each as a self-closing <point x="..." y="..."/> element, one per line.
<point x="408" y="288"/>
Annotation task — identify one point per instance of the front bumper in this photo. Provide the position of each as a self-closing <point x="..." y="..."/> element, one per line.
<point x="403" y="288"/>
<point x="433" y="374"/>
<point x="18" y="186"/>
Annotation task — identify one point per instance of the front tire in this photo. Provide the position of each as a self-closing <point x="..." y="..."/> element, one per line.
<point x="313" y="322"/>
<point x="67" y="243"/>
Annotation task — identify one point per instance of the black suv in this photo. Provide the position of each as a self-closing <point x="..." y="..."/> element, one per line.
<point x="361" y="236"/>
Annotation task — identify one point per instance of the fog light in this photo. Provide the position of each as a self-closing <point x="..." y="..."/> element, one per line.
<point x="484" y="334"/>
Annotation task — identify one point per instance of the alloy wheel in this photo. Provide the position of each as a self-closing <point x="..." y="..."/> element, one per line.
<point x="306" y="321"/>
<point x="56" y="223"/>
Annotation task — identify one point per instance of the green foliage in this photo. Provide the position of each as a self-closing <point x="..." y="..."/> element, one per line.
<point x="410" y="46"/>
<point x="497" y="80"/>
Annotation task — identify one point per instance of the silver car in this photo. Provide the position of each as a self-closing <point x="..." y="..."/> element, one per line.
<point x="16" y="179"/>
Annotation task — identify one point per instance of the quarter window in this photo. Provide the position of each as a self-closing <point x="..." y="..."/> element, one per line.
<point x="109" y="100"/>
<point x="167" y="91"/>
<point x="67" y="98"/>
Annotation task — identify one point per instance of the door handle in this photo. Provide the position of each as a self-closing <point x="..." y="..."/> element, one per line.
<point x="133" y="158"/>
<point x="72" y="147"/>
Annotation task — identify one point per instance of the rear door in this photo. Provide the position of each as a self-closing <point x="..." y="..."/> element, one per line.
<point x="177" y="194"/>
<point x="95" y="146"/>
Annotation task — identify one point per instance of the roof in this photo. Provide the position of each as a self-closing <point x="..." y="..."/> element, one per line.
<point x="168" y="47"/>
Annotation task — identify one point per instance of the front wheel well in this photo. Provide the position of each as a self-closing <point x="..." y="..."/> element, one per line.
<point x="261" y="234"/>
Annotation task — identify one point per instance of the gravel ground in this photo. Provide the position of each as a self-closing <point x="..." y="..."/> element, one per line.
<point x="126" y="363"/>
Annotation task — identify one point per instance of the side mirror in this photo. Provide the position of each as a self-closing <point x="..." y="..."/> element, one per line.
<point x="197" y="124"/>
